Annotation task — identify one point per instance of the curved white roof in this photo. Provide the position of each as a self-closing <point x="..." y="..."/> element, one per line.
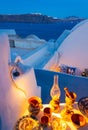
<point x="79" y="24"/>
<point x="74" y="49"/>
<point x="32" y="37"/>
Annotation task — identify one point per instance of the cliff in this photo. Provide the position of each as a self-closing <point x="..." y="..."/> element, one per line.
<point x="36" y="18"/>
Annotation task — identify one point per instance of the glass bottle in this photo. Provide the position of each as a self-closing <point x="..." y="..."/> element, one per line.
<point x="55" y="94"/>
<point x="55" y="90"/>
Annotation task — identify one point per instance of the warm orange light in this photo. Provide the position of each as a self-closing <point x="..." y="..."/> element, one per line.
<point x="55" y="68"/>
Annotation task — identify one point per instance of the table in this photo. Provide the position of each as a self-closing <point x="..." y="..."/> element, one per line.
<point x="69" y="123"/>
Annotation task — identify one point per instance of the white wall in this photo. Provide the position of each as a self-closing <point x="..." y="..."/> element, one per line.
<point x="8" y="31"/>
<point x="21" y="43"/>
<point x="13" y="101"/>
<point x="27" y="82"/>
<point x="52" y="62"/>
<point x="27" y="44"/>
<point x="36" y="56"/>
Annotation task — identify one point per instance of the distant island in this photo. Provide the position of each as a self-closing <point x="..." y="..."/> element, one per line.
<point x="36" y="18"/>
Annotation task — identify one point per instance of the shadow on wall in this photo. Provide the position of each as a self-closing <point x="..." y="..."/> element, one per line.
<point x="77" y="84"/>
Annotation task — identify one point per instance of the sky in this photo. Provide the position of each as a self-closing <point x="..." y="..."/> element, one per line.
<point x="54" y="8"/>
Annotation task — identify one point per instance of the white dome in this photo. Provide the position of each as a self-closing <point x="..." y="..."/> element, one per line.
<point x="32" y="37"/>
<point x="74" y="49"/>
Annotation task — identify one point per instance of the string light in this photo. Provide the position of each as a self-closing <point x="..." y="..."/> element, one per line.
<point x="16" y="73"/>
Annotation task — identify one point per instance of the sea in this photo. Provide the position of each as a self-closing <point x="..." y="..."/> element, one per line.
<point x="44" y="31"/>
